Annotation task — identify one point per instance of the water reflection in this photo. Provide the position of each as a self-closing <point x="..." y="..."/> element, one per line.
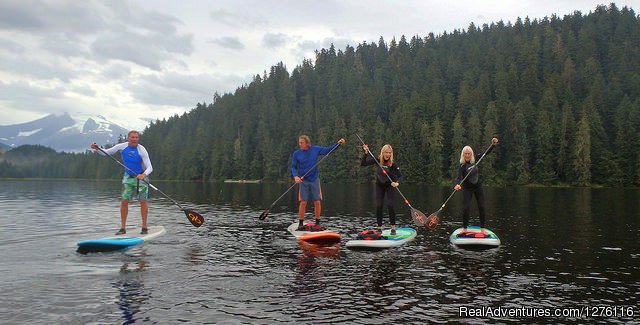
<point x="132" y="294"/>
<point x="473" y="273"/>
<point x="195" y="255"/>
<point x="314" y="262"/>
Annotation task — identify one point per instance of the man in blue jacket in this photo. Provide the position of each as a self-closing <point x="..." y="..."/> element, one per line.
<point x="309" y="186"/>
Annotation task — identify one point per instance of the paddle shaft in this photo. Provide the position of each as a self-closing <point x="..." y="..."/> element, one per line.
<point x="144" y="180"/>
<point x="305" y="174"/>
<point x="384" y="172"/>
<point x="465" y="178"/>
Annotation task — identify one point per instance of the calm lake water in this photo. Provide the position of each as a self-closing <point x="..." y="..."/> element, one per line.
<point x="563" y="250"/>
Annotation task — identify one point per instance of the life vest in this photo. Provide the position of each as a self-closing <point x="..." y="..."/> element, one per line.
<point x="369" y="234"/>
<point x="472" y="234"/>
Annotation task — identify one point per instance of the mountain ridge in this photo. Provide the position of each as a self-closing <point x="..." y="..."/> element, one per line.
<point x="61" y="132"/>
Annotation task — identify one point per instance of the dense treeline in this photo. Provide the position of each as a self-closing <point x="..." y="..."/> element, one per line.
<point x="35" y="161"/>
<point x="563" y="95"/>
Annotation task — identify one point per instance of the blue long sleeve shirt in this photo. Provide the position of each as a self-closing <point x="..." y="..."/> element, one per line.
<point x="136" y="158"/>
<point x="303" y="160"/>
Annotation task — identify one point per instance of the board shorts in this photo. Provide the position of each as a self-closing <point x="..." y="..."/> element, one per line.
<point x="132" y="189"/>
<point x="310" y="190"/>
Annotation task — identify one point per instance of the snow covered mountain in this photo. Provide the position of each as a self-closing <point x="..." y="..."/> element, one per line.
<point x="62" y="132"/>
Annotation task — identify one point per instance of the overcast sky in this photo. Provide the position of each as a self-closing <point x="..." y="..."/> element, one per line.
<point x="135" y="61"/>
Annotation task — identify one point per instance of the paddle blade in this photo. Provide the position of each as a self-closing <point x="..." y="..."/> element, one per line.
<point x="432" y="220"/>
<point x="418" y="217"/>
<point x="264" y="214"/>
<point x="194" y="217"/>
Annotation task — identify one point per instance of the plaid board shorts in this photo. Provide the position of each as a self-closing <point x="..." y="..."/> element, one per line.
<point x="132" y="189"/>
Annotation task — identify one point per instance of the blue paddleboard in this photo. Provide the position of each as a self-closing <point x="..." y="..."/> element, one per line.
<point x="402" y="236"/>
<point x="473" y="238"/>
<point x="119" y="242"/>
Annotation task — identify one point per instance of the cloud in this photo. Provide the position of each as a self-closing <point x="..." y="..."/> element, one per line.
<point x="236" y="20"/>
<point x="84" y="91"/>
<point x="230" y="42"/>
<point x="65" y="45"/>
<point x="128" y="47"/>
<point x="149" y="49"/>
<point x="47" y="16"/>
<point x="95" y="30"/>
<point x="11" y="46"/>
<point x="178" y="89"/>
<point x="18" y="98"/>
<point x="275" y="40"/>
<point x="116" y="71"/>
<point x="23" y="91"/>
<point x="147" y="21"/>
<point x="32" y="68"/>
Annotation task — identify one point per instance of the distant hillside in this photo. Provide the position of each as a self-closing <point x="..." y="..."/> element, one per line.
<point x="41" y="161"/>
<point x="28" y="153"/>
<point x="20" y="161"/>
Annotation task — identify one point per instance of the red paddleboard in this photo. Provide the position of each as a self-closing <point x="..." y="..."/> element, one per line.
<point x="322" y="236"/>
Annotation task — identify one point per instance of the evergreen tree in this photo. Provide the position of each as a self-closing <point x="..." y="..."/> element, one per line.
<point x="582" y="152"/>
<point x="518" y="168"/>
<point x="457" y="143"/>
<point x="542" y="170"/>
<point x="433" y="146"/>
<point x="490" y="131"/>
<point x="566" y="132"/>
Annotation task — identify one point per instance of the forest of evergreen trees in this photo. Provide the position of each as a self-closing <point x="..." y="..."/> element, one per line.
<point x="561" y="93"/>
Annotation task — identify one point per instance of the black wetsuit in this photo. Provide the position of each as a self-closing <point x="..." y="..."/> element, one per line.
<point x="472" y="185"/>
<point x="385" y="193"/>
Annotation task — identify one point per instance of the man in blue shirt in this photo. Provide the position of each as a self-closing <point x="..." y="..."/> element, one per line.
<point x="135" y="185"/>
<point x="309" y="186"/>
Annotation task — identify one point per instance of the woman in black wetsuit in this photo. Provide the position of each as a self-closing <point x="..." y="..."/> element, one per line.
<point x="385" y="192"/>
<point x="472" y="184"/>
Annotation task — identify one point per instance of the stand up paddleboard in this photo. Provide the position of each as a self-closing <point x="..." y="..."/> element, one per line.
<point x="322" y="236"/>
<point x="402" y="236"/>
<point x="119" y="242"/>
<point x="473" y="238"/>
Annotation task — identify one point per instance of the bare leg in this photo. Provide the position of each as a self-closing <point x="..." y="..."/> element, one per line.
<point x="317" y="208"/>
<point x="302" y="209"/>
<point x="124" y="211"/>
<point x="144" y="210"/>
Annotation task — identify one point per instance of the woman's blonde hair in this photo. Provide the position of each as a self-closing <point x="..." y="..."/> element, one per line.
<point x="384" y="148"/>
<point x="473" y="157"/>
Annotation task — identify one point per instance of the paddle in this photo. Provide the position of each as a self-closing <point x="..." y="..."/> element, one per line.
<point x="194" y="217"/>
<point x="266" y="212"/>
<point x="432" y="221"/>
<point x="416" y="215"/>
